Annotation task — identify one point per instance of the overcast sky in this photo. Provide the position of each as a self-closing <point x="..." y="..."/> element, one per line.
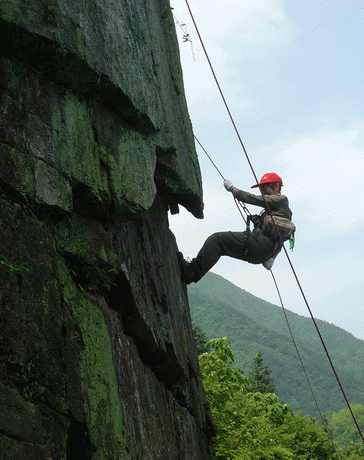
<point x="292" y="75"/>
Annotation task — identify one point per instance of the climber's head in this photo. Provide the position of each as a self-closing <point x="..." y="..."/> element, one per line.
<point x="270" y="184"/>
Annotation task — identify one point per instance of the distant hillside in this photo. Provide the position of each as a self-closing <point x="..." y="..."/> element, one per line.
<point x="223" y="309"/>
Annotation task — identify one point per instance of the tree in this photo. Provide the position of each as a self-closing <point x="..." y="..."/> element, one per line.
<point x="355" y="451"/>
<point x="343" y="428"/>
<point x="260" y="379"/>
<point x="200" y="339"/>
<point x="253" y="425"/>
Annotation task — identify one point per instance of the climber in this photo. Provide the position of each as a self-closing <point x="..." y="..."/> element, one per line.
<point x="256" y="247"/>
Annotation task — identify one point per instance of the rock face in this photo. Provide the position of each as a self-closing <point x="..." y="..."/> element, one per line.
<point x="97" y="357"/>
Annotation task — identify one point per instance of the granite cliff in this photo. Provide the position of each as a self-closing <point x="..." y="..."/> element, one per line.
<point x="97" y="357"/>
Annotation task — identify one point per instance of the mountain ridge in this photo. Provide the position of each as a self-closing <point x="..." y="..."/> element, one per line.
<point x="223" y="309"/>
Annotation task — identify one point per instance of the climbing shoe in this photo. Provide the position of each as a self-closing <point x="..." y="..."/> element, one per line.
<point x="188" y="274"/>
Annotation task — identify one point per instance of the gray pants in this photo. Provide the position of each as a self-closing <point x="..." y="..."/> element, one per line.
<point x="254" y="247"/>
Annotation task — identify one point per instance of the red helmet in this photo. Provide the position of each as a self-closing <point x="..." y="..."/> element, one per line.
<point x="269" y="178"/>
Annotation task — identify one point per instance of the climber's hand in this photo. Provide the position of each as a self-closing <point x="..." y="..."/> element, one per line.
<point x="228" y="184"/>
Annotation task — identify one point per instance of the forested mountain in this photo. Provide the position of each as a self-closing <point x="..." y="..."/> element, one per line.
<point x="253" y="325"/>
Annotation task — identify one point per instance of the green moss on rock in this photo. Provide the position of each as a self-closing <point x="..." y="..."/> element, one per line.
<point x="18" y="417"/>
<point x="52" y="189"/>
<point x="77" y="156"/>
<point x="97" y="370"/>
<point x="131" y="65"/>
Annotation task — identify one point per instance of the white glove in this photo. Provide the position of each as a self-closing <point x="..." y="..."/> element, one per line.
<point x="228" y="184"/>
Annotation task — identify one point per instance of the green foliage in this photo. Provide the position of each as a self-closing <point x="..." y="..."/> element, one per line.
<point x="200" y="339"/>
<point x="260" y="376"/>
<point x="88" y="274"/>
<point x="343" y="428"/>
<point x="223" y="309"/>
<point x="8" y="268"/>
<point x="168" y="15"/>
<point x="222" y="382"/>
<point x="252" y="425"/>
<point x="355" y="451"/>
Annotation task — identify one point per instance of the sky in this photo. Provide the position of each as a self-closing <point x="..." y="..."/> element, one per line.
<point x="292" y="75"/>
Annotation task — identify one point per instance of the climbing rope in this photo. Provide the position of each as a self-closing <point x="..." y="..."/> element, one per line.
<point x="208" y="156"/>
<point x="242" y="205"/>
<point x="267" y="207"/>
<point x="302" y="365"/>
<point x="221" y="93"/>
<point x="239" y="204"/>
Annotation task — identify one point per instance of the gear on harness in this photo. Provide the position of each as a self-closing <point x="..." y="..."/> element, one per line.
<point x="284" y="226"/>
<point x="291" y="242"/>
<point x="257" y="220"/>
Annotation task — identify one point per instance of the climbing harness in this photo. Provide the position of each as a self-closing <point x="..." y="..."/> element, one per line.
<point x="267" y="207"/>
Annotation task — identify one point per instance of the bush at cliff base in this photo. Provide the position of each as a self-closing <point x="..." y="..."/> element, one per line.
<point x="258" y="426"/>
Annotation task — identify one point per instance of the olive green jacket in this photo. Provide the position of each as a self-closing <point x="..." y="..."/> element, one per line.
<point x="278" y="204"/>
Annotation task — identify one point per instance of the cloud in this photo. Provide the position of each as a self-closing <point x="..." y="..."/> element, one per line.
<point x="323" y="171"/>
<point x="258" y="25"/>
<point x="240" y="38"/>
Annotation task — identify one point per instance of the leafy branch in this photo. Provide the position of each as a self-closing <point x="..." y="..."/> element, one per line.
<point x="9" y="268"/>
